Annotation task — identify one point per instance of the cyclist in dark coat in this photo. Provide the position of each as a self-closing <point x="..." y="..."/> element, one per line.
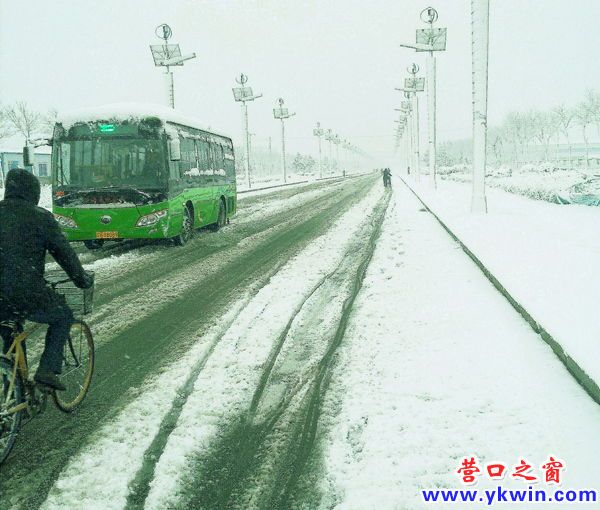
<point x="387" y="177"/>
<point x="27" y="232"/>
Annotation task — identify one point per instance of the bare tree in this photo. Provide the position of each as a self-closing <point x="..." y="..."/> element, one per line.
<point x="586" y="113"/>
<point x="517" y="129"/>
<point x="49" y="120"/>
<point x="544" y="125"/>
<point x="564" y="118"/>
<point x="495" y="139"/>
<point x="23" y="119"/>
<point x="5" y="128"/>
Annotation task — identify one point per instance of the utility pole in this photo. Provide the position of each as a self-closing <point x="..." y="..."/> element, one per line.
<point x="282" y="114"/>
<point x="430" y="40"/>
<point x="168" y="55"/>
<point x="318" y="132"/>
<point x="479" y="52"/>
<point x="244" y="94"/>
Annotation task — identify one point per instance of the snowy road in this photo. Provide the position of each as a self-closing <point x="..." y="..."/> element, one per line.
<point x="160" y="313"/>
<point x="331" y="348"/>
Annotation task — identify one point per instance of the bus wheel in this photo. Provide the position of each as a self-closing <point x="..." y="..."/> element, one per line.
<point x="221" y="218"/>
<point x="93" y="244"/>
<point x="187" y="228"/>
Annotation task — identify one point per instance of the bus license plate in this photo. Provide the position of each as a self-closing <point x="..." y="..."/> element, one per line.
<point x="107" y="235"/>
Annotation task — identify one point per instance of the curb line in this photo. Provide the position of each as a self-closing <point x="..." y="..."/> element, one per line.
<point x="582" y="378"/>
<point x="338" y="177"/>
<point x="271" y="187"/>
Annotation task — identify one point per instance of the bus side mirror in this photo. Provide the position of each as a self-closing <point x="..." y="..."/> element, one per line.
<point x="174" y="150"/>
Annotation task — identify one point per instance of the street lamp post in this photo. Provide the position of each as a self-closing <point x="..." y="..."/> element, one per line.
<point x="329" y="138"/>
<point x="409" y="135"/>
<point x="336" y="140"/>
<point x="282" y="114"/>
<point x="244" y="94"/>
<point x="479" y="53"/>
<point x="430" y="40"/>
<point x="168" y="55"/>
<point x="405" y="122"/>
<point x="415" y="85"/>
<point x="412" y="85"/>
<point x="318" y="132"/>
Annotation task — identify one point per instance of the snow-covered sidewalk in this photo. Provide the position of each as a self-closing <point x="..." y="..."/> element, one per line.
<point x="547" y="256"/>
<point x="437" y="366"/>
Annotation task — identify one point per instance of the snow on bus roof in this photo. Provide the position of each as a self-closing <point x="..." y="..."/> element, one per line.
<point x="120" y="112"/>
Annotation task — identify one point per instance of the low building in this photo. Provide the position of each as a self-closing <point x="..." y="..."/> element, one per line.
<point x="13" y="158"/>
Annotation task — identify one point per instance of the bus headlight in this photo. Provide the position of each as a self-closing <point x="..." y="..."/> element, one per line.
<point x="152" y="218"/>
<point x="65" y="221"/>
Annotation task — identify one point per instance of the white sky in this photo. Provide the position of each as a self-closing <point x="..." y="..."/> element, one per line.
<point x="336" y="61"/>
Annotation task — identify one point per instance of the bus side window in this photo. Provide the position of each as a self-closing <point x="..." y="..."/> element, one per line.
<point x="220" y="165"/>
<point x="214" y="162"/>
<point x="229" y="166"/>
<point x="189" y="167"/>
<point x="203" y="160"/>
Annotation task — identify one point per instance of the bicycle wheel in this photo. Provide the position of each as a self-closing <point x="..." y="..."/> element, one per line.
<point x="9" y="398"/>
<point x="78" y="367"/>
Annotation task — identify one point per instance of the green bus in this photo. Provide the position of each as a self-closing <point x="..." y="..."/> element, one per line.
<point x="143" y="173"/>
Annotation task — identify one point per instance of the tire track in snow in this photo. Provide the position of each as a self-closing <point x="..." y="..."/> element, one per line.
<point x="252" y="465"/>
<point x="138" y="351"/>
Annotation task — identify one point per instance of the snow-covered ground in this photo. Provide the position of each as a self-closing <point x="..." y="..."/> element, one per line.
<point x="437" y="366"/>
<point x="545" y="255"/>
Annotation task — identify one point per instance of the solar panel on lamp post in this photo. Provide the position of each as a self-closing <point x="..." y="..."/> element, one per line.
<point x="282" y="114"/>
<point x="244" y="94"/>
<point x="168" y="55"/>
<point x="430" y="40"/>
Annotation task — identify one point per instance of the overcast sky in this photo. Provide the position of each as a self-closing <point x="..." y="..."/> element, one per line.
<point x="334" y="61"/>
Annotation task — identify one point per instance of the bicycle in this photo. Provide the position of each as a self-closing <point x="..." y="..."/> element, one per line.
<point x="21" y="398"/>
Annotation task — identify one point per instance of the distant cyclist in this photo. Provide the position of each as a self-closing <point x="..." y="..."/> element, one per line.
<point x="27" y="233"/>
<point x="387" y="178"/>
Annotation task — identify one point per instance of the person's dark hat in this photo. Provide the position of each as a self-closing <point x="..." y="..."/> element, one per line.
<point x="22" y="184"/>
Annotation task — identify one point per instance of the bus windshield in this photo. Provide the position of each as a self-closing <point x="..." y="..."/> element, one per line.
<point x="110" y="163"/>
